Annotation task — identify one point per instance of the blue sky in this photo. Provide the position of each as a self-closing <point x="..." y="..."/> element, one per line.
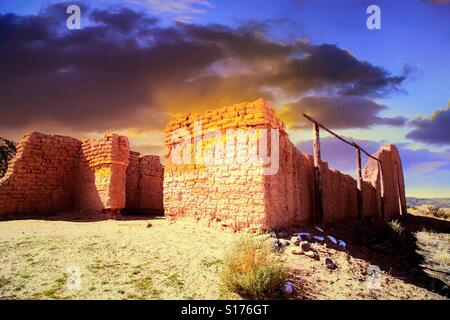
<point x="414" y="41"/>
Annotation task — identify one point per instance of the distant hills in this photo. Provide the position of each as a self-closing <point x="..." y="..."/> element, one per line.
<point x="417" y="202"/>
<point x="7" y="151"/>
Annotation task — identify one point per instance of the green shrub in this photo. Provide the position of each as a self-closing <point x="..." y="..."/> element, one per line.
<point x="253" y="271"/>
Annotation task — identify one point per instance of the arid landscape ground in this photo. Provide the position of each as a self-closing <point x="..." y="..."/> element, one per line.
<point x="151" y="258"/>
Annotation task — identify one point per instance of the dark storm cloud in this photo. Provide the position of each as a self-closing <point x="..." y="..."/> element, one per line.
<point x="123" y="69"/>
<point x="434" y="130"/>
<point x="340" y="112"/>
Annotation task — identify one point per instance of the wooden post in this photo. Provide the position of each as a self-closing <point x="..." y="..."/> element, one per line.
<point x="317" y="176"/>
<point x="359" y="194"/>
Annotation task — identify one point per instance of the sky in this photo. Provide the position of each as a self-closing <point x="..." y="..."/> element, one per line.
<point x="135" y="63"/>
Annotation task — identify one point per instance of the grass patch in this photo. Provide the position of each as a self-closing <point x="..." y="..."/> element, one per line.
<point x="50" y="293"/>
<point x="4" y="282"/>
<point x="211" y="262"/>
<point x="175" y="280"/>
<point x="145" y="288"/>
<point x="253" y="271"/>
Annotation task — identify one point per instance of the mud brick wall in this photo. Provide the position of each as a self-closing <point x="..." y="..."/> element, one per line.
<point x="42" y="175"/>
<point x="102" y="173"/>
<point x="240" y="195"/>
<point x="289" y="194"/>
<point x="392" y="180"/>
<point x="53" y="173"/>
<point x="230" y="193"/>
<point x="144" y="184"/>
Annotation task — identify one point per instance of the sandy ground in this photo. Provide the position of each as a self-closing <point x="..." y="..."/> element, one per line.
<point x="126" y="259"/>
<point x="117" y="259"/>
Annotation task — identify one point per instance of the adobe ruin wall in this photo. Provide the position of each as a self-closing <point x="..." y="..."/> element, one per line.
<point x="242" y="196"/>
<point x="52" y="173"/>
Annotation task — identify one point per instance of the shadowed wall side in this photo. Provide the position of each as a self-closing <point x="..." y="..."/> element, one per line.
<point x="144" y="184"/>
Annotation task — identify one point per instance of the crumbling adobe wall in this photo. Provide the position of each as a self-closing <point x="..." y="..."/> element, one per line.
<point x="392" y="181"/>
<point x="242" y="195"/>
<point x="289" y="193"/>
<point x="52" y="173"/>
<point x="41" y="177"/>
<point x="230" y="192"/>
<point x="102" y="173"/>
<point x="144" y="184"/>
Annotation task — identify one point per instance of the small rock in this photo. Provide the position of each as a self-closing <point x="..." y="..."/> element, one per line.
<point x="288" y="288"/>
<point x="305" y="245"/>
<point x="273" y="234"/>
<point x="276" y="244"/>
<point x="342" y="244"/>
<point x="329" y="263"/>
<point x="319" y="239"/>
<point x="332" y="239"/>
<point x="295" y="241"/>
<point x="312" y="254"/>
<point x="298" y="252"/>
<point x="304" y="236"/>
<point x="149" y="225"/>
<point x="284" y="243"/>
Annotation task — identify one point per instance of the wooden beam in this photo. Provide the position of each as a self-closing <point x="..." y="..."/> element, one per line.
<point x="359" y="193"/>
<point x="317" y="174"/>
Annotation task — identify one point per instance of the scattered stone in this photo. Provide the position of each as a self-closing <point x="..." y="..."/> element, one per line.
<point x="298" y="252"/>
<point x="329" y="263"/>
<point x="319" y="239"/>
<point x="284" y="242"/>
<point x="277" y="246"/>
<point x="304" y="236"/>
<point x="342" y="244"/>
<point x="288" y="288"/>
<point x="332" y="239"/>
<point x="273" y="234"/>
<point x="305" y="245"/>
<point x="312" y="254"/>
<point x="149" y="225"/>
<point x="295" y="241"/>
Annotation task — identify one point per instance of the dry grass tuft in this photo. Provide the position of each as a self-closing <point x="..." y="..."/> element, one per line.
<point x="253" y="271"/>
<point x="396" y="227"/>
<point x="437" y="212"/>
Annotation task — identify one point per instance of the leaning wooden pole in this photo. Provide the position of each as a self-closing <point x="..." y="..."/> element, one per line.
<point x="317" y="174"/>
<point x="359" y="193"/>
